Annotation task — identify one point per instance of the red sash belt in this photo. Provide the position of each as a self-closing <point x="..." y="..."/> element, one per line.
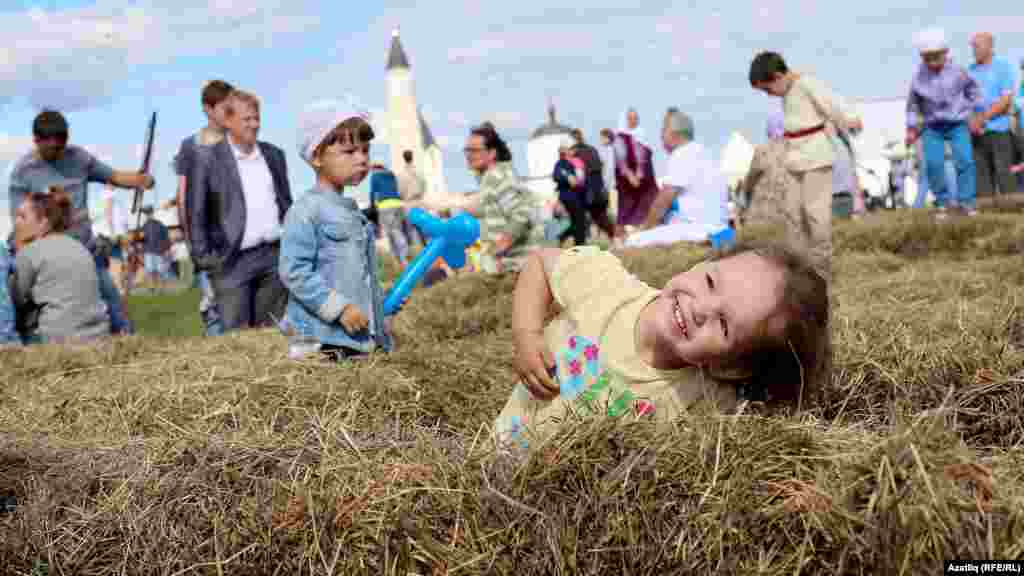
<point x="804" y="132"/>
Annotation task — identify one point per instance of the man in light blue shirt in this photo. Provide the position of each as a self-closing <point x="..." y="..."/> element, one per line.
<point x="990" y="128"/>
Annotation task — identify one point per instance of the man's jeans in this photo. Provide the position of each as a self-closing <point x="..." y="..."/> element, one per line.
<point x="208" y="306"/>
<point x="112" y="298"/>
<point x="922" y="183"/>
<point x="959" y="137"/>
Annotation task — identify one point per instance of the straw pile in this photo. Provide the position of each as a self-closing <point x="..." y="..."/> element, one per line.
<point x="221" y="456"/>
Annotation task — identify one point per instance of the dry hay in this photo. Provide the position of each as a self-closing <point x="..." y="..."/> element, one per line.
<point x="212" y="456"/>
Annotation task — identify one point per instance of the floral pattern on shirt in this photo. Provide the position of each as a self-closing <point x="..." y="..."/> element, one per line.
<point x="583" y="381"/>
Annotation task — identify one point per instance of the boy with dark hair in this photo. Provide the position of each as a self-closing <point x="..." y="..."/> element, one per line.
<point x="808" y="105"/>
<point x="214" y="100"/>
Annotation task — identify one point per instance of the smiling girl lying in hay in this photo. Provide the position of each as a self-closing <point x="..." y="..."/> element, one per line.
<point x="747" y="324"/>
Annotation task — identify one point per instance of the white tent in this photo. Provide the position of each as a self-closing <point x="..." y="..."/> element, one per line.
<point x="737" y="155"/>
<point x="880" y="142"/>
<point x="541" y="156"/>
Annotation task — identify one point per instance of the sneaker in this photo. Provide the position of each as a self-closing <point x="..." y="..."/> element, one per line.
<point x="971" y="212"/>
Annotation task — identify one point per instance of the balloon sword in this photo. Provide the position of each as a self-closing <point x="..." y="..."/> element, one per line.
<point x="146" y="155"/>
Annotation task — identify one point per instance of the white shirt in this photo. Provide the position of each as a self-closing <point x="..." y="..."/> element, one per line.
<point x="261" y="223"/>
<point x="179" y="250"/>
<point x="703" y="194"/>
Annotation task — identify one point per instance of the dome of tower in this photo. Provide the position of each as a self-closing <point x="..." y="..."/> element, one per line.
<point x="551" y="128"/>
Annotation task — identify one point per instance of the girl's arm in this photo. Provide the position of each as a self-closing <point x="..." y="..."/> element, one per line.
<point x="533" y="304"/>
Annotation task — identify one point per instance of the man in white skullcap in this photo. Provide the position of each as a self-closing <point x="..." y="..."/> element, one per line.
<point x="328" y="255"/>
<point x="942" y="98"/>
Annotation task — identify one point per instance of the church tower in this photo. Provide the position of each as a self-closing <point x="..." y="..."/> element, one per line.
<point x="402" y="113"/>
<point x="406" y="127"/>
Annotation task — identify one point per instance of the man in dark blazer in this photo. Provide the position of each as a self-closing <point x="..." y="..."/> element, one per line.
<point x="237" y="205"/>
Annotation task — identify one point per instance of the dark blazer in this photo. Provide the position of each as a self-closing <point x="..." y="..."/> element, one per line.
<point x="217" y="204"/>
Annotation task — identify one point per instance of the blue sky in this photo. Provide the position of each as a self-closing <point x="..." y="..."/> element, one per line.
<point x="108" y="64"/>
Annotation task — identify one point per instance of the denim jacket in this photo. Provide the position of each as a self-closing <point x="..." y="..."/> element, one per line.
<point x="328" y="261"/>
<point x="8" y="327"/>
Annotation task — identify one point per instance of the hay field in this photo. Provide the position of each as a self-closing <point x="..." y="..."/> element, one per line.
<point x="221" y="456"/>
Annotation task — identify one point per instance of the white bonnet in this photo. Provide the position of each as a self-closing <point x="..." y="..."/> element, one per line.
<point x="320" y="118"/>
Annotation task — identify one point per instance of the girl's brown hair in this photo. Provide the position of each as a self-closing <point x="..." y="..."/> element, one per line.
<point x="790" y="366"/>
<point x="351" y="132"/>
<point x="55" y="206"/>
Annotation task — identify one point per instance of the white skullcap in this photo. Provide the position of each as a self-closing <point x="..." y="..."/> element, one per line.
<point x="930" y="40"/>
<point x="566" y="141"/>
<point x="320" y="118"/>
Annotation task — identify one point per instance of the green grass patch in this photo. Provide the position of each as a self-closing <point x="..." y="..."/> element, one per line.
<point x="171" y="314"/>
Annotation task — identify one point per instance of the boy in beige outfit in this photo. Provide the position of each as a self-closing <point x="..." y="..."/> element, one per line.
<point x="808" y="105"/>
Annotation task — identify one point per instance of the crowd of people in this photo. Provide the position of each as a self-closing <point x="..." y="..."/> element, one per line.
<point x="310" y="266"/>
<point x="960" y="138"/>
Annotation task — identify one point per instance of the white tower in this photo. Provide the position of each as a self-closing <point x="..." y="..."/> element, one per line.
<point x="542" y="154"/>
<point x="406" y="127"/>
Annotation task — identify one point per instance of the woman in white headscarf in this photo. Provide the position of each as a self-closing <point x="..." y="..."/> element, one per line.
<point x="634" y="172"/>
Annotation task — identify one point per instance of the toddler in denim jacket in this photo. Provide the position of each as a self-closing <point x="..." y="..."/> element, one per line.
<point x="328" y="256"/>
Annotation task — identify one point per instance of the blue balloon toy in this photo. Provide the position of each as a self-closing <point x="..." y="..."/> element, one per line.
<point x="448" y="239"/>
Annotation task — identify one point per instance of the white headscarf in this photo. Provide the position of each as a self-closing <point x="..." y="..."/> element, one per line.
<point x="320" y="118"/>
<point x="637" y="133"/>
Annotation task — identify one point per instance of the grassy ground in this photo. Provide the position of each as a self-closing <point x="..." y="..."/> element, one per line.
<point x="165" y="314"/>
<point x="171" y="455"/>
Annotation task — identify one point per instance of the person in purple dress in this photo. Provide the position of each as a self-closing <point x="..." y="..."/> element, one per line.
<point x="634" y="173"/>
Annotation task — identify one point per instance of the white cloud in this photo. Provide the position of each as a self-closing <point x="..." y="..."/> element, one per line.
<point x="70" y="58"/>
<point x="458" y="118"/>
